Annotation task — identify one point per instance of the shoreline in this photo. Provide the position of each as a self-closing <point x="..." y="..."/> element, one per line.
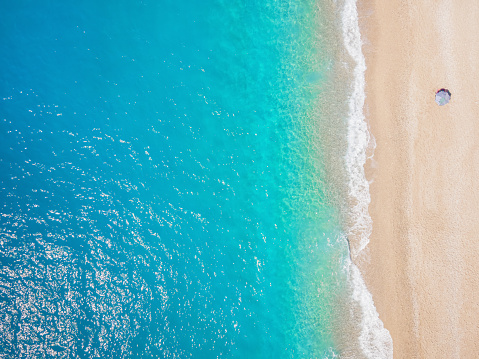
<point x="421" y="262"/>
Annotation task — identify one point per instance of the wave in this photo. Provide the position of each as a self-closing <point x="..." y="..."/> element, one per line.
<point x="374" y="340"/>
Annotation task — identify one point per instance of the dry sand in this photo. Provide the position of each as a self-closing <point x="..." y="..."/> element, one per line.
<point x="422" y="263"/>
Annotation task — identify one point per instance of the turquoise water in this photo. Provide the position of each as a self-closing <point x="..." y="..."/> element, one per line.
<point x="164" y="192"/>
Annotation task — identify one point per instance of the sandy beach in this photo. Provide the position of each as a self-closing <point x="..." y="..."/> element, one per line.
<point x="422" y="262"/>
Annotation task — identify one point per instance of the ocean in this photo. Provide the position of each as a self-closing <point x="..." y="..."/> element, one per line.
<point x="177" y="177"/>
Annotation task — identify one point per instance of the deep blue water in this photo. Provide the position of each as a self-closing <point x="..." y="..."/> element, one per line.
<point x="163" y="188"/>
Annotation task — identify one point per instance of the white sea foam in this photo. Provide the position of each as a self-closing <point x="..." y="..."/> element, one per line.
<point x="374" y="340"/>
<point x="358" y="134"/>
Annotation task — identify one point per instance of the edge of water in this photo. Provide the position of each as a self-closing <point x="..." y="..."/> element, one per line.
<point x="374" y="340"/>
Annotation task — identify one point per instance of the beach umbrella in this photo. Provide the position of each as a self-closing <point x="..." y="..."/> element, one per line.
<point x="443" y="96"/>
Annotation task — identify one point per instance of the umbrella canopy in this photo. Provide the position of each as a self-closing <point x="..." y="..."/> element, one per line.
<point x="443" y="96"/>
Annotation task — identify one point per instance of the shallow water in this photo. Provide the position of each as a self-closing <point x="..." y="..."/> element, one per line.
<point x="165" y="185"/>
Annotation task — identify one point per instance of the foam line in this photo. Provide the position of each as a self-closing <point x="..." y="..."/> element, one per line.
<point x="374" y="340"/>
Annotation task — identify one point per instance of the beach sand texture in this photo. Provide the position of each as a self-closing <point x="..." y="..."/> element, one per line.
<point x="422" y="262"/>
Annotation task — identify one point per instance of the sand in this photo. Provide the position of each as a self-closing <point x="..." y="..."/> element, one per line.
<point x="422" y="262"/>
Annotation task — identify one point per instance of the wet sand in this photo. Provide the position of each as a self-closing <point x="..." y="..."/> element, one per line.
<point x="422" y="262"/>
